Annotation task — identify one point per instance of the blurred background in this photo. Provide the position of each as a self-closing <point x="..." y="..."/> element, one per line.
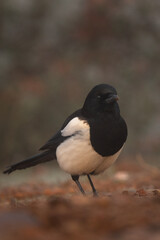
<point x="53" y="52"/>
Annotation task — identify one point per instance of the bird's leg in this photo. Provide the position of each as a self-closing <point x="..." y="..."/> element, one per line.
<point x="93" y="188"/>
<point x="75" y="178"/>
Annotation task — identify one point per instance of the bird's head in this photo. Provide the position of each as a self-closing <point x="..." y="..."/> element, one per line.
<point x="101" y="99"/>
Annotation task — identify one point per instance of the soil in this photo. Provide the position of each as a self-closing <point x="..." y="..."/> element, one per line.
<point x="128" y="208"/>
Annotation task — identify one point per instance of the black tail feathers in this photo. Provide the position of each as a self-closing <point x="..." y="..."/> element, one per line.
<point x="36" y="159"/>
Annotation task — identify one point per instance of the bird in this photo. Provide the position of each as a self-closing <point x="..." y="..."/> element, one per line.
<point x="89" y="141"/>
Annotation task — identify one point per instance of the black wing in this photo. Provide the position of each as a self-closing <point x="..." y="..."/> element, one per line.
<point x="54" y="142"/>
<point x="50" y="149"/>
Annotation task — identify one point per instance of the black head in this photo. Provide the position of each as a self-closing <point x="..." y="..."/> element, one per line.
<point x="101" y="99"/>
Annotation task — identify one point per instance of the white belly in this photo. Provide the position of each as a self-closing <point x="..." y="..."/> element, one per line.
<point x="107" y="162"/>
<point x="76" y="155"/>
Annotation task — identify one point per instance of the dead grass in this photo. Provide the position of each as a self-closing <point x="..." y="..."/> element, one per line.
<point x="128" y="207"/>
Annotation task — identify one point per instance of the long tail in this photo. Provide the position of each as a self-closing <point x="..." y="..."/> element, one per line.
<point x="29" y="162"/>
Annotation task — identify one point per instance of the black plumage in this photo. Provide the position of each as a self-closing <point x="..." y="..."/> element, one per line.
<point x="92" y="137"/>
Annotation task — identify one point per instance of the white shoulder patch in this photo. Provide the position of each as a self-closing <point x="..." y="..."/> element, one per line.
<point x="75" y="125"/>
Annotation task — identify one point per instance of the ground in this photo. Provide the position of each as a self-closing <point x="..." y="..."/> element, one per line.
<point x="128" y="208"/>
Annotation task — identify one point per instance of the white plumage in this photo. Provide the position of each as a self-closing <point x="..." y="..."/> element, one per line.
<point x="80" y="146"/>
<point x="76" y="154"/>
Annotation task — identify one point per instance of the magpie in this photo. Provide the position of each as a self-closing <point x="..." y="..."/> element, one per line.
<point x="89" y="141"/>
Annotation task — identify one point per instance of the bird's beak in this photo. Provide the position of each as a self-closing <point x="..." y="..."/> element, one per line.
<point x="113" y="98"/>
